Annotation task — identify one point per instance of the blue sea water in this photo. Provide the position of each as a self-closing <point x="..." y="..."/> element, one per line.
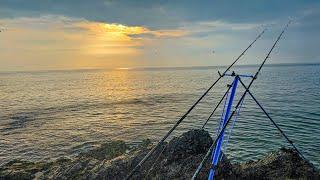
<point x="48" y="114"/>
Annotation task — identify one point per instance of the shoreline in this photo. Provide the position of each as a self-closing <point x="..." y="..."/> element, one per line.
<point x="176" y="159"/>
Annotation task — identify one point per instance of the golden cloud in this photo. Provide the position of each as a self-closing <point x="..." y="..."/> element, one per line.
<point x="63" y="39"/>
<point x="128" y="30"/>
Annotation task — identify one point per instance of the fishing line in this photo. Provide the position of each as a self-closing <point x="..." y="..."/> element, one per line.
<point x="191" y="108"/>
<point x="242" y="97"/>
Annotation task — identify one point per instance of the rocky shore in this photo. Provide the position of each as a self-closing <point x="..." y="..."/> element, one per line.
<point x="176" y="159"/>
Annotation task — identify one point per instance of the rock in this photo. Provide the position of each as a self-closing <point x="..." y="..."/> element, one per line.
<point x="107" y="151"/>
<point x="282" y="164"/>
<point x="177" y="159"/>
<point x="18" y="169"/>
<point x="181" y="156"/>
<point x="225" y="169"/>
<point x="190" y="143"/>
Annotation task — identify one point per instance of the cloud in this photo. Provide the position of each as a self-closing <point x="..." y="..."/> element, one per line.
<point x="227" y="25"/>
<point x="73" y="28"/>
<point x="114" y="28"/>
<point x="158" y="14"/>
<point x="146" y="39"/>
<point x="77" y="40"/>
<point x="40" y="40"/>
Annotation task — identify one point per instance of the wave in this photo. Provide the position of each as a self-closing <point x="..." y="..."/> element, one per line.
<point x="22" y="119"/>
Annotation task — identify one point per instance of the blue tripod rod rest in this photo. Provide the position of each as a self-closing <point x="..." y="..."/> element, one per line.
<point x="217" y="151"/>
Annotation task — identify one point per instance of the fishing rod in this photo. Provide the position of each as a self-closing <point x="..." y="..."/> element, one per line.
<point x="191" y="108"/>
<point x="273" y="122"/>
<point x="226" y="111"/>
<point x="236" y="107"/>
<point x="214" y="110"/>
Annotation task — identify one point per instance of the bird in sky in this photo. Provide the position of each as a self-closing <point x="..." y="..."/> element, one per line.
<point x="1" y="29"/>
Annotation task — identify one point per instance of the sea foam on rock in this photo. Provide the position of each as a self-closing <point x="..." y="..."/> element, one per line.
<point x="177" y="159"/>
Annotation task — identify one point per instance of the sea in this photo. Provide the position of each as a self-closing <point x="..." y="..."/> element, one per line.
<point x="45" y="115"/>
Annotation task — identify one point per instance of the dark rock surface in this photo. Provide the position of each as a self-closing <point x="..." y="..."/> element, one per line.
<point x="177" y="159"/>
<point x="283" y="164"/>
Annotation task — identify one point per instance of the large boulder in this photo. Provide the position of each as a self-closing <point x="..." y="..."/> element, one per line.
<point x="188" y="144"/>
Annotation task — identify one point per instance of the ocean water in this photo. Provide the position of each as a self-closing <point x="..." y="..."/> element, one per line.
<point x="45" y="115"/>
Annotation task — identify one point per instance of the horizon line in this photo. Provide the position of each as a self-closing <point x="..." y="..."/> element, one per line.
<point x="155" y="67"/>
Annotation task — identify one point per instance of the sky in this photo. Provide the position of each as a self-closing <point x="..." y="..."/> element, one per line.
<point x="83" y="34"/>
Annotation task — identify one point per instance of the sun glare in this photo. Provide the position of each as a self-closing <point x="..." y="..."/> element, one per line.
<point x="123" y="68"/>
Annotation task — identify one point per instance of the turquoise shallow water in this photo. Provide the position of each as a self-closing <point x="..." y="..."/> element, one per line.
<point x="44" y="115"/>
